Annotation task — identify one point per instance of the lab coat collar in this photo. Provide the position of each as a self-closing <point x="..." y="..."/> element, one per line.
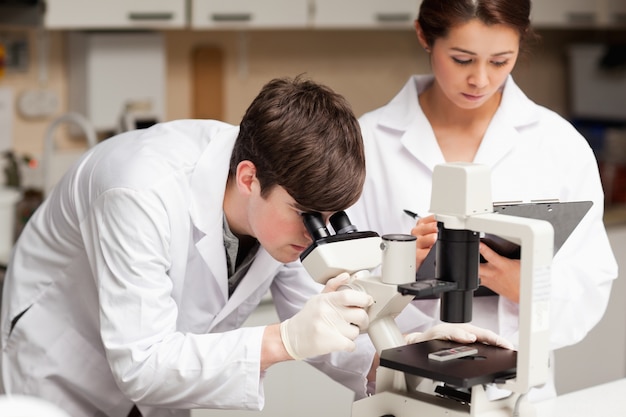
<point x="516" y="108"/>
<point x="208" y="184"/>
<point x="515" y="112"/>
<point x="404" y="115"/>
<point x="400" y="112"/>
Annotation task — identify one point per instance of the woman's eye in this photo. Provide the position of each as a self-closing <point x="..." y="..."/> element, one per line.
<point x="462" y="61"/>
<point x="500" y="63"/>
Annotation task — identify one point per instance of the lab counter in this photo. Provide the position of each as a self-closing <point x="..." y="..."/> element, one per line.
<point x="606" y="400"/>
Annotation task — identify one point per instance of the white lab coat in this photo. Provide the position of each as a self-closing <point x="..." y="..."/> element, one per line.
<point x="534" y="154"/>
<point x="122" y="272"/>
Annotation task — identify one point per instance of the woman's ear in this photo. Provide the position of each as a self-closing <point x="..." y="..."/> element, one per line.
<point x="420" y="36"/>
<point x="245" y="176"/>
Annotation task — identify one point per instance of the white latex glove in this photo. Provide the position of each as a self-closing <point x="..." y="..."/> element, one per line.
<point x="328" y="322"/>
<point x="461" y="333"/>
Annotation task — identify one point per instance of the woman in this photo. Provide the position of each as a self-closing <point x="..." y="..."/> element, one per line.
<point x="470" y="109"/>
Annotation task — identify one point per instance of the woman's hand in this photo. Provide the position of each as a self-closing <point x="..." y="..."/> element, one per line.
<point x="460" y="333"/>
<point x="425" y="230"/>
<point x="500" y="274"/>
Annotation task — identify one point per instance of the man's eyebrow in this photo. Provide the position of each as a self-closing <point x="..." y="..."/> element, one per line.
<point x="300" y="207"/>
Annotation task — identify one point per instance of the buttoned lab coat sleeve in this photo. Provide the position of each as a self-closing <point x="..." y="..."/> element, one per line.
<point x="153" y="363"/>
<point x="290" y="290"/>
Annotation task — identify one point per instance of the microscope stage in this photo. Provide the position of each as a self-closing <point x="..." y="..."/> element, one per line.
<point x="490" y="364"/>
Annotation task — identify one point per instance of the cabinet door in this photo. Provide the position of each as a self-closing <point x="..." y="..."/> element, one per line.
<point x="238" y="14"/>
<point x="365" y="13"/>
<point x="110" y="70"/>
<point x="616" y="12"/>
<point x="112" y="14"/>
<point x="564" y="13"/>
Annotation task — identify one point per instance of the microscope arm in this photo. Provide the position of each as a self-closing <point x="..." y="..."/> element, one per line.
<point x="536" y="239"/>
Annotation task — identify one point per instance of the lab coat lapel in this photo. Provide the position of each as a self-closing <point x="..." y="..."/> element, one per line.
<point x="499" y="140"/>
<point x="211" y="249"/>
<point x="262" y="270"/>
<point x="515" y="112"/>
<point x="404" y="115"/>
<point x="419" y="139"/>
<point x="208" y="183"/>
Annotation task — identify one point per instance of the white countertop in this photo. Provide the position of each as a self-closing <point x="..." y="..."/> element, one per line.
<point x="606" y="400"/>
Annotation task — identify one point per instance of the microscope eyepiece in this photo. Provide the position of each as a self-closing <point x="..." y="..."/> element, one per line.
<point x="341" y="223"/>
<point x="315" y="225"/>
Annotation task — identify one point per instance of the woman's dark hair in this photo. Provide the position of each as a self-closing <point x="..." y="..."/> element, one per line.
<point x="304" y="137"/>
<point x="437" y="17"/>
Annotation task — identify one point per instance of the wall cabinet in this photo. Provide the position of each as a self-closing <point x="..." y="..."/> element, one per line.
<point x="564" y="13"/>
<point x="299" y="14"/>
<point x="579" y="13"/>
<point x="110" y="71"/>
<point x="115" y="14"/>
<point x="242" y="14"/>
<point x="364" y="13"/>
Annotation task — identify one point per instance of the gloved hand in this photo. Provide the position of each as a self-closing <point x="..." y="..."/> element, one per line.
<point x="459" y="332"/>
<point x="328" y="322"/>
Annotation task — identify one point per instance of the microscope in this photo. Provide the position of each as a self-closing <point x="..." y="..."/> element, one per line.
<point x="384" y="267"/>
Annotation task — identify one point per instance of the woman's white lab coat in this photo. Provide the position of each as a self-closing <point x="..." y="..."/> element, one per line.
<point x="122" y="277"/>
<point x="534" y="154"/>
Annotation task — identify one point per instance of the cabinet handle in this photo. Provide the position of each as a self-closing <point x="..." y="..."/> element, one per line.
<point x="231" y="17"/>
<point x="581" y="17"/>
<point x="392" y="17"/>
<point x="150" y="16"/>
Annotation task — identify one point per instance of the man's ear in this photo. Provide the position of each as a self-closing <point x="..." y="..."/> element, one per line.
<point x="246" y="176"/>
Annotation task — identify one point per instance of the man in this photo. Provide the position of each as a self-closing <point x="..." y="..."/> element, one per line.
<point x="127" y="289"/>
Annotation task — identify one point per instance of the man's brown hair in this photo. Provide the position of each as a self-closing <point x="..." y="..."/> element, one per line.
<point x="304" y="137"/>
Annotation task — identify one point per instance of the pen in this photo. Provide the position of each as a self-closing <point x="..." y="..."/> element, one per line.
<point x="410" y="213"/>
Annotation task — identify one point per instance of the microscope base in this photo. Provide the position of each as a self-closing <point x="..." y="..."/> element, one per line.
<point x="392" y="404"/>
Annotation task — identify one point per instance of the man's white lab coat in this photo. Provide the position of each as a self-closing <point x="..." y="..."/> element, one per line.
<point x="122" y="277"/>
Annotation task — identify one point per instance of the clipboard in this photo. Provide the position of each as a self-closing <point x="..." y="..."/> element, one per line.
<point x="564" y="217"/>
